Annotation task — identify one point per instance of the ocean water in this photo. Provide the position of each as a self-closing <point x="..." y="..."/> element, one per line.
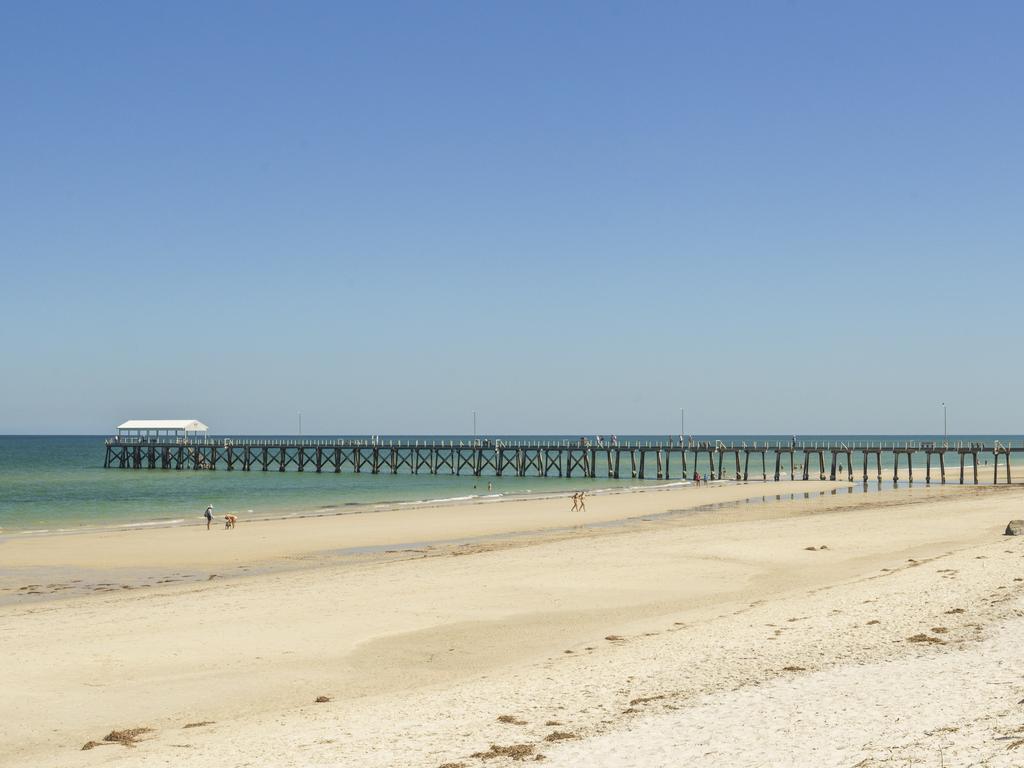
<point x="50" y="484"/>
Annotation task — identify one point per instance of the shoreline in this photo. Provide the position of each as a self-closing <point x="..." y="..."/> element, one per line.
<point x="358" y="507"/>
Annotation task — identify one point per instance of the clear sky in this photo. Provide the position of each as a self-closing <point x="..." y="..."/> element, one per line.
<point x="573" y="217"/>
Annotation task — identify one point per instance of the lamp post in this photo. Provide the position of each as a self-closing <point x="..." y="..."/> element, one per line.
<point x="682" y="425"/>
<point x="300" y="423"/>
<point x="944" y="431"/>
<point x="474" y="425"/>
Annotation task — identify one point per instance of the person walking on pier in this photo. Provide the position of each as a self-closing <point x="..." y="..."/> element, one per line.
<point x="208" y="515"/>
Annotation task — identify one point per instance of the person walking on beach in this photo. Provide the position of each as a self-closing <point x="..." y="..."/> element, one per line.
<point x="576" y="502"/>
<point x="208" y="515"/>
<point x="582" y="502"/>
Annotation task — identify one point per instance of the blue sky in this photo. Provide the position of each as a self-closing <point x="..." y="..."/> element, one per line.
<point x="571" y="217"/>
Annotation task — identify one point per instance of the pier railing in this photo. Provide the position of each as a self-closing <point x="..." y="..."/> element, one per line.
<point x="690" y="445"/>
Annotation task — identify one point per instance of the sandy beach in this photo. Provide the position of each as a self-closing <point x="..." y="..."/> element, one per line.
<point x="794" y="623"/>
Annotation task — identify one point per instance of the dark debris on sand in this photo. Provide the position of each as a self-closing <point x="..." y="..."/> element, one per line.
<point x="515" y="751"/>
<point x="560" y="736"/>
<point x="129" y="737"/>
<point x="510" y="720"/>
<point x="920" y="637"/>
<point x="645" y="699"/>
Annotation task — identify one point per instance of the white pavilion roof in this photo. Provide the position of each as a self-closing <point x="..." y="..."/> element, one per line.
<point x="188" y="425"/>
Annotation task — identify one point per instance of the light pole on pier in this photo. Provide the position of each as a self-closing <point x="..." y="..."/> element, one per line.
<point x="943" y="422"/>
<point x="682" y="425"/>
<point x="300" y="423"/>
<point x="474" y="425"/>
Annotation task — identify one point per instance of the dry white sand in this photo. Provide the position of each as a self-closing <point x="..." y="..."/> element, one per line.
<point x="663" y="642"/>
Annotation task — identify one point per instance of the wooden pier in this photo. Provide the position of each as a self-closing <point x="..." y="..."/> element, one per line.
<point x="524" y="458"/>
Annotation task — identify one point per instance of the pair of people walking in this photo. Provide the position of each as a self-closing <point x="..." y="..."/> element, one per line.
<point x="579" y="503"/>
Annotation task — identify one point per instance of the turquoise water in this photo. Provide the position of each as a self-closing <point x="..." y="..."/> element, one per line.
<point x="59" y="483"/>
